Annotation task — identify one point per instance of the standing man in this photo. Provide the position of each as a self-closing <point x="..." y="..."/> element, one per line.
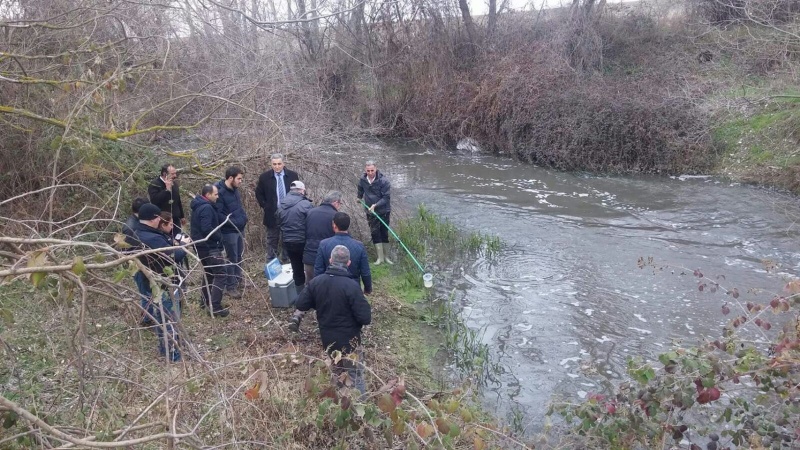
<point x="359" y="263"/>
<point x="164" y="310"/>
<point x="292" y="214"/>
<point x="373" y="187"/>
<point x="271" y="189"/>
<point x="341" y="312"/>
<point x="165" y="193"/>
<point x="230" y="204"/>
<point x="319" y="226"/>
<point x="208" y="243"/>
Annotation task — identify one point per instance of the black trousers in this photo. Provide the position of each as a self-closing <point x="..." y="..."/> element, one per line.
<point x="214" y="276"/>
<point x="380" y="234"/>
<point x="295" y="252"/>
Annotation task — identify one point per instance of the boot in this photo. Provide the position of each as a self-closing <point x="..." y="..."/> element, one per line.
<point x="379" y="249"/>
<point x="386" y="254"/>
<point x="294" y="322"/>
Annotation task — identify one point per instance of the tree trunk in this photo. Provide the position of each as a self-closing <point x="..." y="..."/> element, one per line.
<point x="492" y="20"/>
<point x="469" y="24"/>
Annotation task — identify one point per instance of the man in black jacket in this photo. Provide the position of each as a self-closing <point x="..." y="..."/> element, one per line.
<point x="230" y="204"/>
<point x="165" y="193"/>
<point x="374" y="188"/>
<point x="271" y="189"/>
<point x="208" y="243"/>
<point x="341" y="309"/>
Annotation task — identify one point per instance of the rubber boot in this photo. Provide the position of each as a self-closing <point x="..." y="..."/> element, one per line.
<point x="379" y="249"/>
<point x="294" y="322"/>
<point x="386" y="254"/>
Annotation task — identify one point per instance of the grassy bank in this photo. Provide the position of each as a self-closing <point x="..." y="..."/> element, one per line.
<point x="85" y="368"/>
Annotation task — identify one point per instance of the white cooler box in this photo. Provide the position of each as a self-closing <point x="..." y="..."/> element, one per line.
<point x="282" y="292"/>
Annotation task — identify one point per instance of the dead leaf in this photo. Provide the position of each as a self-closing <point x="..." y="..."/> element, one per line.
<point x="254" y="392"/>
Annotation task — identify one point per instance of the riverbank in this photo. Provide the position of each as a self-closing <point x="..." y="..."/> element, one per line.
<point x="89" y="369"/>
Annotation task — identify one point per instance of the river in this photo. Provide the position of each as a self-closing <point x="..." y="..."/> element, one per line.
<point x="565" y="304"/>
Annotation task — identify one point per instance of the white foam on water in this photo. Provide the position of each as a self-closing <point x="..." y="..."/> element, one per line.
<point x="524" y="326"/>
<point x="582" y="394"/>
<point x="602" y="339"/>
<point x="566" y="361"/>
<point x="572" y="375"/>
<point x="589" y="312"/>
<point x="639" y="316"/>
<point x="640" y="330"/>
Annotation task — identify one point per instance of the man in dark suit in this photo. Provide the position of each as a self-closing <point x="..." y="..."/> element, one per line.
<point x="165" y="193"/>
<point x="269" y="193"/>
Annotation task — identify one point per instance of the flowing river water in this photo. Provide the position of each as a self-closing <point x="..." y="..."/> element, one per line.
<point x="565" y="305"/>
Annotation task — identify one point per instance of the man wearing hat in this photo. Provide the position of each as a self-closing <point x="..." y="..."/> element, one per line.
<point x="292" y="213"/>
<point x="165" y="310"/>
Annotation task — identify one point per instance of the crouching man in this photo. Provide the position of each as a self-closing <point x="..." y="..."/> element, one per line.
<point x="342" y="310"/>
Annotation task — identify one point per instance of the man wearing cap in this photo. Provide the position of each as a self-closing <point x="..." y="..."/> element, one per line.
<point x="292" y="213"/>
<point x="163" y="310"/>
<point x="270" y="191"/>
<point x="319" y="226"/>
<point x="228" y="204"/>
<point x="374" y="189"/>
<point x="165" y="193"/>
<point x="342" y="311"/>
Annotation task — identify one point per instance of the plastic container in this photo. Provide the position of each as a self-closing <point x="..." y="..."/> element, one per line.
<point x="427" y="280"/>
<point x="282" y="292"/>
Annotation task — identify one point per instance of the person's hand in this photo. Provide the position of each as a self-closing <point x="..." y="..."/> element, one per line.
<point x="168" y="184"/>
<point x="186" y="240"/>
<point x="183" y="221"/>
<point x="372" y="208"/>
<point x="366" y="292"/>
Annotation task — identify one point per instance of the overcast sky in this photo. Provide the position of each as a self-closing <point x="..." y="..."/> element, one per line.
<point x="479" y="7"/>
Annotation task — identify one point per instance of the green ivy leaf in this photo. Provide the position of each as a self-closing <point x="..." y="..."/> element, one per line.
<point x="78" y="267"/>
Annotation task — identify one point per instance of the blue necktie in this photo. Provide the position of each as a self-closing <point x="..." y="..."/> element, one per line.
<point x="281" y="188"/>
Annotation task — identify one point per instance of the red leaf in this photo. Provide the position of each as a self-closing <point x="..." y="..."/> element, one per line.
<point x="725" y="309"/>
<point x="252" y="393"/>
<point x="611" y="408"/>
<point x="713" y="394"/>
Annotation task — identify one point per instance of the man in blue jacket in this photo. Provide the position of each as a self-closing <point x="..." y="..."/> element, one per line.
<point x="164" y="310"/>
<point x="341" y="312"/>
<point x="374" y="189"/>
<point x="230" y="204"/>
<point x="208" y="243"/>
<point x="358" y="267"/>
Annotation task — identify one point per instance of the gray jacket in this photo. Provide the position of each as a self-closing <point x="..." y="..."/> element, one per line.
<point x="291" y="216"/>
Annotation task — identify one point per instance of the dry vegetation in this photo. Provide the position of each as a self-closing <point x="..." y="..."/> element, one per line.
<point x="95" y="95"/>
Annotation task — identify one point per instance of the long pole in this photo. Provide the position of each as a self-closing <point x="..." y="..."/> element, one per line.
<point x="395" y="236"/>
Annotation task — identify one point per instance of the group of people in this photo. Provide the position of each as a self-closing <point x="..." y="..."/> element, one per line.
<point x="330" y="269"/>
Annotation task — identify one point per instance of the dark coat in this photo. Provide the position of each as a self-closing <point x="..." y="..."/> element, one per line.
<point x="359" y="263"/>
<point x="205" y="218"/>
<point x="319" y="226"/>
<point x="376" y="193"/>
<point x="341" y="308"/>
<point x="152" y="238"/>
<point x="267" y="194"/>
<point x="230" y="202"/>
<point x="129" y="231"/>
<point x="292" y="215"/>
<point x="160" y="196"/>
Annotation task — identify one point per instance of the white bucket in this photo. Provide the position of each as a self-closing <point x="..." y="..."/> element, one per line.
<point x="427" y="279"/>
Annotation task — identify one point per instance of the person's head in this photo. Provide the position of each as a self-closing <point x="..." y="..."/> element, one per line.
<point x="334" y="198"/>
<point x="137" y="204"/>
<point x="297" y="186"/>
<point x="277" y="162"/>
<point x="341" y="222"/>
<point x="168" y="172"/>
<point x="340" y="256"/>
<point x="165" y="224"/>
<point x="370" y="168"/>
<point x="234" y="176"/>
<point x="150" y="215"/>
<point x="210" y="192"/>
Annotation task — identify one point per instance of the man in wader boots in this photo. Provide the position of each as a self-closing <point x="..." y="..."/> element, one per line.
<point x="374" y="188"/>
